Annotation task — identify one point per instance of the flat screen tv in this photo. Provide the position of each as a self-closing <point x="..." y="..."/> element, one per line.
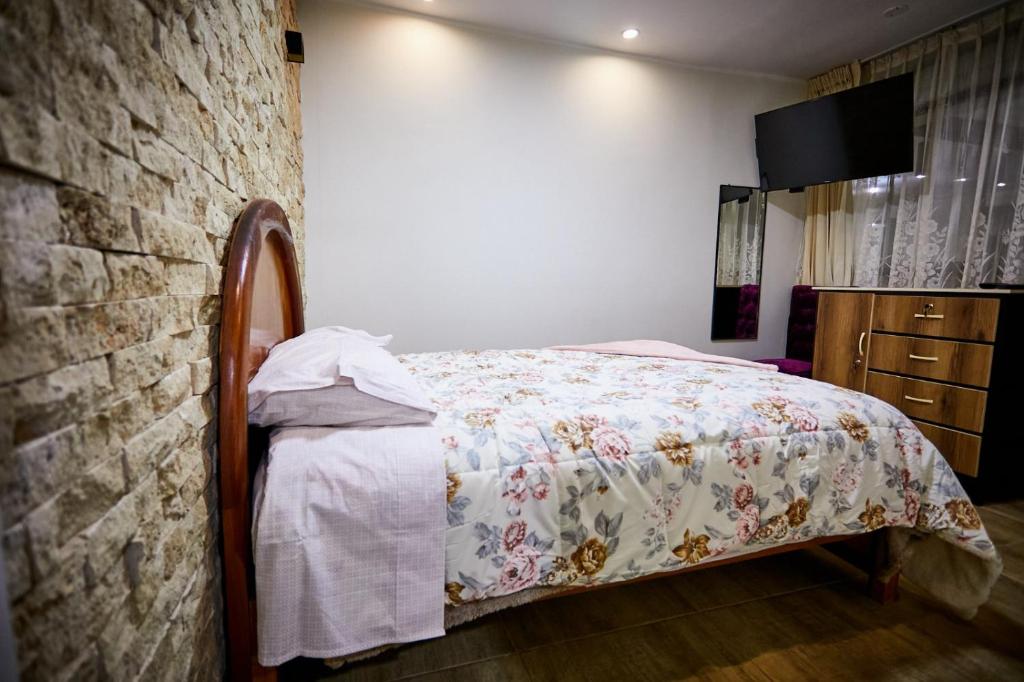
<point x="858" y="133"/>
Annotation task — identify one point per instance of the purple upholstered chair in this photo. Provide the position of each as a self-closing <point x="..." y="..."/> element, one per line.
<point x="803" y="318"/>
<point x="746" y="313"/>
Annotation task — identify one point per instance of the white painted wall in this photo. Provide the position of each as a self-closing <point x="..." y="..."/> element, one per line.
<point x="468" y="189"/>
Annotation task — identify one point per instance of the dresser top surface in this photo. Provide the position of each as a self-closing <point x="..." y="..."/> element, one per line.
<point x="910" y="290"/>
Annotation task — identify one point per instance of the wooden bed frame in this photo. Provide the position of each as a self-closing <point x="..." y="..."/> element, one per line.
<point x="262" y="306"/>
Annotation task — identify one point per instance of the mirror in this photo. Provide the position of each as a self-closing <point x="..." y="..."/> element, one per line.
<point x="737" y="300"/>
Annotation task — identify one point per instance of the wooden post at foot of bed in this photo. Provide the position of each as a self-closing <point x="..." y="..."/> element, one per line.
<point x="884" y="572"/>
<point x="884" y="587"/>
<point x="257" y="673"/>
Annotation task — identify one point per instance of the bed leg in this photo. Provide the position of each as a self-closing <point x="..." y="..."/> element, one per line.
<point x="261" y="674"/>
<point x="884" y="588"/>
<point x="884" y="576"/>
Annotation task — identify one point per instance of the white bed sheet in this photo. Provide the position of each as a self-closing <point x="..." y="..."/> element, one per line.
<point x="348" y="540"/>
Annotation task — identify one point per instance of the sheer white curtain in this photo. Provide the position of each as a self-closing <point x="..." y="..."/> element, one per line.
<point x="958" y="220"/>
<point x="740" y="238"/>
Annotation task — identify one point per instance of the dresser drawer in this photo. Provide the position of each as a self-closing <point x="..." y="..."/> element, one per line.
<point x="952" y="317"/>
<point x="961" y="450"/>
<point x="962" y="408"/>
<point x="956" y="361"/>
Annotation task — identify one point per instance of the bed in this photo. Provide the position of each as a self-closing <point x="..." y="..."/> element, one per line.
<point x="569" y="470"/>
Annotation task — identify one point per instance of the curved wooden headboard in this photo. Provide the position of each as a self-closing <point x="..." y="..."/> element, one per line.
<point x="261" y="306"/>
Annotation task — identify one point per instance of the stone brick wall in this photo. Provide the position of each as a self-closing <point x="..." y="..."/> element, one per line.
<point x="131" y="134"/>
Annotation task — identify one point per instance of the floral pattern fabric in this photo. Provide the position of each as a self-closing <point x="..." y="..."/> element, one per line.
<point x="572" y="468"/>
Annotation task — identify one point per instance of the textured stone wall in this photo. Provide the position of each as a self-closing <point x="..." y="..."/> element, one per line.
<point x="131" y="134"/>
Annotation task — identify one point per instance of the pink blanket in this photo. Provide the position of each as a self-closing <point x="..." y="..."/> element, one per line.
<point x="663" y="349"/>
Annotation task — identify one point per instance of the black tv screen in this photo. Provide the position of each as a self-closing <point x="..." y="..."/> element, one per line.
<point x="858" y="133"/>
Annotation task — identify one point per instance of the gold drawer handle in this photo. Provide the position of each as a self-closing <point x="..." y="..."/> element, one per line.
<point x="923" y="401"/>
<point x="928" y="314"/>
<point x="924" y="358"/>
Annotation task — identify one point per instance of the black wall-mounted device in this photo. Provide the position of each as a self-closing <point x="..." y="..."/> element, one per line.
<point x="293" y="46"/>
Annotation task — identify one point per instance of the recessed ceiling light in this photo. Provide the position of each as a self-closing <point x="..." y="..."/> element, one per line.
<point x="631" y="33"/>
<point x="961" y="179"/>
<point x="895" y="11"/>
<point x="1000" y="184"/>
<point x="920" y="176"/>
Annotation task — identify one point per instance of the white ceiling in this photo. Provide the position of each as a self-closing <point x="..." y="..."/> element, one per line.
<point x="798" y="38"/>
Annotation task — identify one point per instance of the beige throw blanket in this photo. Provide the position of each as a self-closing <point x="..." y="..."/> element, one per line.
<point x="646" y="348"/>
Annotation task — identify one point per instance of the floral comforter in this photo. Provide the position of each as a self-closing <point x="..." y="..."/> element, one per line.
<point x="572" y="468"/>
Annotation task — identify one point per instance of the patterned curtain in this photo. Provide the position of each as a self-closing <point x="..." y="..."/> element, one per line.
<point x="740" y="240"/>
<point x="958" y="220"/>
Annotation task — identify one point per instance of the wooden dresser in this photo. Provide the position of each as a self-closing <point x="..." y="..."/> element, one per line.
<point x="951" y="360"/>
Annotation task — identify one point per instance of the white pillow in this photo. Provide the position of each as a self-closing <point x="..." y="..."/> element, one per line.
<point x="335" y="376"/>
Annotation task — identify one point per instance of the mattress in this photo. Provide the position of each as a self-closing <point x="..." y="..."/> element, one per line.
<point x="566" y="468"/>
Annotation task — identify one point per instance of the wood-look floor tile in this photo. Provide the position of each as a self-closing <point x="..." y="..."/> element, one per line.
<point x="616" y="607"/>
<point x="719" y="586"/>
<point x="911" y="639"/>
<point x="829" y="632"/>
<point x="631" y="654"/>
<point x="1013" y="561"/>
<point x="587" y="613"/>
<point x="1003" y="529"/>
<point x="1003" y="616"/>
<point x="504" y="669"/>
<point x="788" y="625"/>
<point x="481" y="639"/>
<point x="1014" y="510"/>
<point x="878" y="639"/>
<point x="702" y="644"/>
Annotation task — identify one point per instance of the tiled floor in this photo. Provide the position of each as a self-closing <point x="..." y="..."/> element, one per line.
<point x="795" y="616"/>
